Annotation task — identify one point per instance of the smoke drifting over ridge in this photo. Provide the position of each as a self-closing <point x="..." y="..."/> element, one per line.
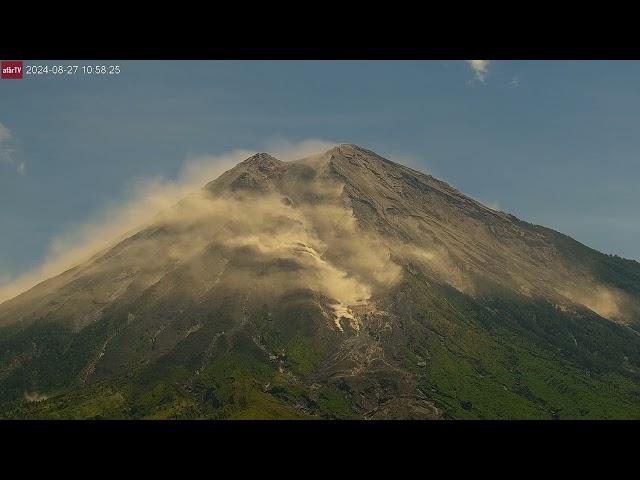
<point x="342" y="224"/>
<point x="147" y="198"/>
<point x="606" y="301"/>
<point x="331" y="256"/>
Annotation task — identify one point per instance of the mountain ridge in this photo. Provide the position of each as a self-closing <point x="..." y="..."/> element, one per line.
<point x="351" y="286"/>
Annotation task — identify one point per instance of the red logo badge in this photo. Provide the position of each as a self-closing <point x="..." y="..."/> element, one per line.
<point x="12" y="70"/>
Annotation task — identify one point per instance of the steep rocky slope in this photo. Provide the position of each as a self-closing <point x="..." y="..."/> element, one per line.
<point x="341" y="285"/>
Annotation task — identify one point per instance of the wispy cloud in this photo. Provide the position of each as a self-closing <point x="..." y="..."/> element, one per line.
<point x="5" y="134"/>
<point x="7" y="151"/>
<point x="480" y="69"/>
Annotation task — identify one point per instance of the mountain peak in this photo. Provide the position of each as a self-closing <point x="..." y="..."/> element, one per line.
<point x="348" y="149"/>
<point x="254" y="173"/>
<point x="358" y="155"/>
<point x="262" y="161"/>
<point x="342" y="275"/>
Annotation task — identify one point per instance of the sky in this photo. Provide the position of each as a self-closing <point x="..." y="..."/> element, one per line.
<point x="553" y="142"/>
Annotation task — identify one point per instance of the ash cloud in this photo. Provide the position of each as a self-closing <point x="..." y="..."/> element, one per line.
<point x="305" y="228"/>
<point x="34" y="397"/>
<point x="608" y="302"/>
<point x="146" y="199"/>
<point x="330" y="253"/>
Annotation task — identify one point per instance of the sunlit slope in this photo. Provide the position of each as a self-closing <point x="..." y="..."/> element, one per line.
<point x="342" y="285"/>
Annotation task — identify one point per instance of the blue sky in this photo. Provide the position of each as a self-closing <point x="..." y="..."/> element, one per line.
<point x="555" y="143"/>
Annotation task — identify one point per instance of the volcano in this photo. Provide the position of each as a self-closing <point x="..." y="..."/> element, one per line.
<point x="341" y="285"/>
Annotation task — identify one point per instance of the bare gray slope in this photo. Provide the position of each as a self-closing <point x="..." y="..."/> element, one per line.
<point x="342" y="284"/>
<point x="333" y="209"/>
<point x="468" y="245"/>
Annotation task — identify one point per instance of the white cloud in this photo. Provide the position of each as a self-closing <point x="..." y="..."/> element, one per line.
<point x="480" y="68"/>
<point x="5" y="134"/>
<point x="7" y="152"/>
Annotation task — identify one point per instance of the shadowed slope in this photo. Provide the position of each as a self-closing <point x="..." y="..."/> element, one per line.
<point x="340" y="285"/>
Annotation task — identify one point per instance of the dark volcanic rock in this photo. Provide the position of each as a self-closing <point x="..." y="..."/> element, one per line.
<point x="341" y="285"/>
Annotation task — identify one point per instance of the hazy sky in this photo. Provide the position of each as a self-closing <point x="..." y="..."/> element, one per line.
<point x="555" y="143"/>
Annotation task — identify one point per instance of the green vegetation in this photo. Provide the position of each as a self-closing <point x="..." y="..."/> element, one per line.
<point x="519" y="358"/>
<point x="335" y="404"/>
<point x="499" y="357"/>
